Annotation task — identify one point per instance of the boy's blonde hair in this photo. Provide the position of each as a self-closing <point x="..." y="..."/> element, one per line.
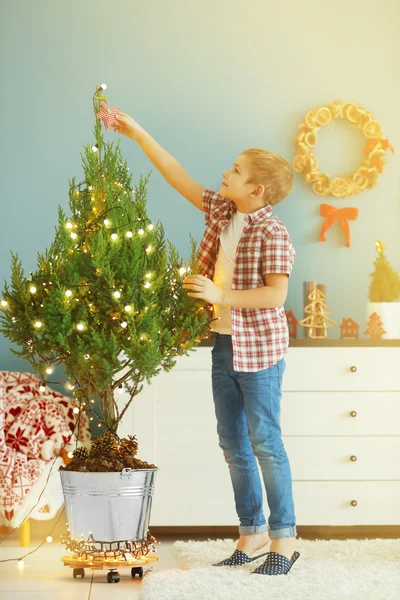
<point x="270" y="170"/>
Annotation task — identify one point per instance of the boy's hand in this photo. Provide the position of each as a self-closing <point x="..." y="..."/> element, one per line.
<point x="127" y="126"/>
<point x="204" y="288"/>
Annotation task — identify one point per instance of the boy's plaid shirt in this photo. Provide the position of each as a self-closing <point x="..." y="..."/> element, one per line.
<point x="260" y="336"/>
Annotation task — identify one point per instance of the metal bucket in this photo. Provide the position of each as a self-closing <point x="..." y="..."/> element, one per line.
<point x="108" y="506"/>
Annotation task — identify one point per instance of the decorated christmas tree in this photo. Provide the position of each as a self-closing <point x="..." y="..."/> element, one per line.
<point x="317" y="322"/>
<point x="385" y="284"/>
<point x="107" y="300"/>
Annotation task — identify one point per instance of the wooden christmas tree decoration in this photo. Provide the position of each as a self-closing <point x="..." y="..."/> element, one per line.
<point x="375" y="329"/>
<point x="317" y="322"/>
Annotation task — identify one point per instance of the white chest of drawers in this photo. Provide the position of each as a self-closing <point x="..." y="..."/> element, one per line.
<point x="340" y="418"/>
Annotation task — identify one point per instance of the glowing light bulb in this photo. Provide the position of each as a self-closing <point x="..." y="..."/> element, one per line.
<point x="32" y="290"/>
<point x="42" y="388"/>
<point x="182" y="270"/>
<point x="4" y="303"/>
<point x="106" y="222"/>
<point x="117" y="294"/>
<point x="68" y="293"/>
<point x="103" y="86"/>
<point x="124" y="324"/>
<point x="141" y="231"/>
<point x="148" y="248"/>
<point x="69" y="225"/>
<point x="114" y="236"/>
<point x="49" y="539"/>
<point x="128" y="308"/>
<point x="49" y="370"/>
<point x="80" y="326"/>
<point x="73" y="235"/>
<point x="70" y="454"/>
<point x="148" y="275"/>
<point x="76" y="410"/>
<point x="20" y="563"/>
<point x="129" y="234"/>
<point x="147" y="284"/>
<point x="151" y="226"/>
<point x="95" y="148"/>
<point x="38" y="324"/>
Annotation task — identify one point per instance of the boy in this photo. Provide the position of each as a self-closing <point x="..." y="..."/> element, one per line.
<point x="247" y="257"/>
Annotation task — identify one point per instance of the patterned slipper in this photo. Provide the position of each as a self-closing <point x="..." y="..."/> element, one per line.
<point x="276" y="564"/>
<point x="238" y="559"/>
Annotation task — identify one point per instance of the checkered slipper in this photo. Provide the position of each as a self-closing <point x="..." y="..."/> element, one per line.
<point x="276" y="564"/>
<point x="238" y="559"/>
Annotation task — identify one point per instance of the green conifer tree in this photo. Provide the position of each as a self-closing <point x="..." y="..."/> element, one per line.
<point x="107" y="297"/>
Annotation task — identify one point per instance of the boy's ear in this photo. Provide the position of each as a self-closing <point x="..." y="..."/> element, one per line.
<point x="259" y="191"/>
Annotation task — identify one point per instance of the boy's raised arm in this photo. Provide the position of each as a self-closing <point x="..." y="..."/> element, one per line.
<point x="166" y="164"/>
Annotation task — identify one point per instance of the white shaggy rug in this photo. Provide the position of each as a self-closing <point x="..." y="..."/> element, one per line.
<point x="326" y="570"/>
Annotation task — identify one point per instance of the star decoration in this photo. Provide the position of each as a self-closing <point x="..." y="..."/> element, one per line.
<point x="108" y="115"/>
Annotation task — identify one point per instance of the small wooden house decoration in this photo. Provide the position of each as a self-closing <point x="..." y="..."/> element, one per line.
<point x="292" y="324"/>
<point x="349" y="329"/>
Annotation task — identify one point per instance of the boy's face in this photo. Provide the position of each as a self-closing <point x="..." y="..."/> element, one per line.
<point x="234" y="186"/>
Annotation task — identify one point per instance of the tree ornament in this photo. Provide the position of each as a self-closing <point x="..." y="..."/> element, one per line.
<point x="107" y="114"/>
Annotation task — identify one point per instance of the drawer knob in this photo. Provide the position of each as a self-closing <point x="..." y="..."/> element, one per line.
<point x="353" y="413"/>
<point x="353" y="369"/>
<point x="353" y="502"/>
<point x="353" y="458"/>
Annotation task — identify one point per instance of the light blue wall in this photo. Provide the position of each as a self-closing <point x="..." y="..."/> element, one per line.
<point x="208" y="79"/>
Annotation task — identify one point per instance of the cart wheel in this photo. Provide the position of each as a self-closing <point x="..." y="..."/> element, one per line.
<point x="113" y="577"/>
<point x="78" y="573"/>
<point x="137" y="570"/>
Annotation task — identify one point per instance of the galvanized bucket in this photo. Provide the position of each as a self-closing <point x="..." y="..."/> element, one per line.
<point x="109" y="507"/>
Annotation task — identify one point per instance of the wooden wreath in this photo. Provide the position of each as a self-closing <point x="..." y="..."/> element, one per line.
<point x="375" y="149"/>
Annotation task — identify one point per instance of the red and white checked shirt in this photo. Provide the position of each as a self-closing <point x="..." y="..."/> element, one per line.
<point x="260" y="336"/>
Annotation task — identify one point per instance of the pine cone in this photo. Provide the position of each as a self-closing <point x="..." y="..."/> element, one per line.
<point x="105" y="445"/>
<point x="81" y="454"/>
<point x="128" y="447"/>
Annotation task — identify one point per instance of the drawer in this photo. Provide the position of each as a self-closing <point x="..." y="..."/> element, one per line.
<point x="347" y="369"/>
<point x="344" y="458"/>
<point x="340" y="413"/>
<point x="329" y="503"/>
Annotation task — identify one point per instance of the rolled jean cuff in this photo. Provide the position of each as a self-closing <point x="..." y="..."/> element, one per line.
<point x="249" y="529"/>
<point x="281" y="533"/>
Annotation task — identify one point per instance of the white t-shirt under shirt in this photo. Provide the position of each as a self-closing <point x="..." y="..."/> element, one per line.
<point x="224" y="266"/>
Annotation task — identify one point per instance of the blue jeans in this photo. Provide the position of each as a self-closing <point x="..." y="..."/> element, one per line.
<point x="247" y="407"/>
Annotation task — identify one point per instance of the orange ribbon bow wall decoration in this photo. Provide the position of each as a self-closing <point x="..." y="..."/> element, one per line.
<point x="343" y="214"/>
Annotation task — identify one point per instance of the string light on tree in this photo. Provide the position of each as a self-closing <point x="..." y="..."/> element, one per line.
<point x="68" y="293"/>
<point x="80" y="326"/>
<point x="49" y="370"/>
<point x="129" y="234"/>
<point x="114" y="236"/>
<point x="38" y="324"/>
<point x="117" y="294"/>
<point x="32" y="289"/>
